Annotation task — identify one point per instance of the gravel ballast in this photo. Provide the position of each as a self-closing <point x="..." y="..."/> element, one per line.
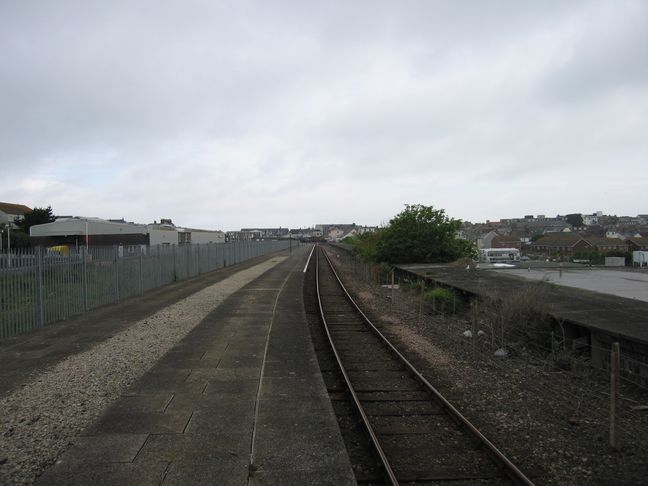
<point x="552" y="423"/>
<point x="41" y="419"/>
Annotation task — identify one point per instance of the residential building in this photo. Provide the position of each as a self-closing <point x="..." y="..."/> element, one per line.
<point x="637" y="244"/>
<point x="486" y="240"/>
<point x="569" y="244"/>
<point x="268" y="232"/>
<point x="507" y="241"/>
<point x="606" y="245"/>
<point x="10" y="213"/>
<point x="337" y="232"/>
<point x="564" y="243"/>
<point x="242" y="235"/>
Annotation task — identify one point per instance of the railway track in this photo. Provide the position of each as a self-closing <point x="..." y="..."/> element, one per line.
<point x="415" y="433"/>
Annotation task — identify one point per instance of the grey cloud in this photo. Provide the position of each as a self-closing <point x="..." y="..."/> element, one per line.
<point x="207" y="111"/>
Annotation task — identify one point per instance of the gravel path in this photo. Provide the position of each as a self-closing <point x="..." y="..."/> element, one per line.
<point x="40" y="420"/>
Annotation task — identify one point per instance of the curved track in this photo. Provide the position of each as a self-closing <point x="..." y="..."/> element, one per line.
<point x="416" y="434"/>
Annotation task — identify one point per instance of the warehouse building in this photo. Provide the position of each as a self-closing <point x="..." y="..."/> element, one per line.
<point x="79" y="231"/>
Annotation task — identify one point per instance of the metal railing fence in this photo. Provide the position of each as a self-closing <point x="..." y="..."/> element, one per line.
<point x="38" y="287"/>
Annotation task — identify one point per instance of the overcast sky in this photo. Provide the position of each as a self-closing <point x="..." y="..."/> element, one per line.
<point x="230" y="114"/>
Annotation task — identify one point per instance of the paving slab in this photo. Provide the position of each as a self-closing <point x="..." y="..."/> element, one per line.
<point x="297" y="439"/>
<point x="93" y="449"/>
<point x="106" y="474"/>
<point x="213" y="448"/>
<point x="329" y="476"/>
<point x="239" y="400"/>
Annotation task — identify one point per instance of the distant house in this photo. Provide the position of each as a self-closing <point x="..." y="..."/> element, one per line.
<point x="335" y="232"/>
<point x="606" y="245"/>
<point x="10" y="213"/>
<point x="267" y="232"/>
<point x="571" y="243"/>
<point x="503" y="241"/>
<point x="242" y="235"/>
<point x="486" y="240"/>
<point x="564" y="243"/>
<point x="637" y="244"/>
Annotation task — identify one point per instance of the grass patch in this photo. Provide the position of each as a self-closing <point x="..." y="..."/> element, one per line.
<point x="445" y="300"/>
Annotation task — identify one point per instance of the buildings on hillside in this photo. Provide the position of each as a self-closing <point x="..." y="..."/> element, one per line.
<point x="328" y="232"/>
<point x="267" y="233"/>
<point x="539" y="235"/>
<point x="340" y="231"/>
<point x="543" y="236"/>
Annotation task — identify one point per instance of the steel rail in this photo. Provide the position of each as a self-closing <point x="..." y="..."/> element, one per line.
<point x="384" y="462"/>
<point x="504" y="462"/>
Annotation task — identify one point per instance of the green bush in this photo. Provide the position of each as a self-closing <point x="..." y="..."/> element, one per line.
<point x="445" y="300"/>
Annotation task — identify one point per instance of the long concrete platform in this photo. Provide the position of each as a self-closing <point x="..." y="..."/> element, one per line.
<point x="240" y="400"/>
<point x="609" y="314"/>
<point x="595" y="319"/>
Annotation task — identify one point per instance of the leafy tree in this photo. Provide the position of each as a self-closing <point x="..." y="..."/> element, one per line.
<point x="365" y="245"/>
<point x="37" y="216"/>
<point x="575" y="219"/>
<point x="18" y="238"/>
<point x="421" y="234"/>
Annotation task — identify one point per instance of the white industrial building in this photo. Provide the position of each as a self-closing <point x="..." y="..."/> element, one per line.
<point x="79" y="231"/>
<point x="200" y="237"/>
<point x="166" y="233"/>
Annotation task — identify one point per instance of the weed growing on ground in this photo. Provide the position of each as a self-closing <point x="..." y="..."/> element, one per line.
<point x="445" y="300"/>
<point x="520" y="319"/>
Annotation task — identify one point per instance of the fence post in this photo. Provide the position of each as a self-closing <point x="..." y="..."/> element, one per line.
<point x="116" y="272"/>
<point x="474" y="329"/>
<point x="141" y="272"/>
<point x="40" y="310"/>
<point x="615" y="377"/>
<point x="392" y="288"/>
<point x="187" y="255"/>
<point x="420" y="319"/>
<point x="175" y="271"/>
<point x="84" y="276"/>
<point x="159" y="265"/>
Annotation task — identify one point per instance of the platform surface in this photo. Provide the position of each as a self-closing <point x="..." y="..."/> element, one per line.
<point x="626" y="284"/>
<point x="28" y="354"/>
<point x="240" y="400"/>
<point x="624" y="318"/>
